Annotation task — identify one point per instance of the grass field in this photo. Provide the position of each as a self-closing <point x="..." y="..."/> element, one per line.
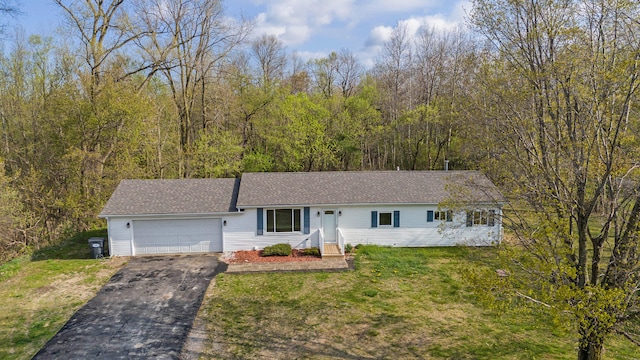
<point x="398" y="304"/>
<point x="39" y="293"/>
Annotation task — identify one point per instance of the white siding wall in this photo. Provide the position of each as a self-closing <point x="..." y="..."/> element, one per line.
<point x="241" y="232"/>
<point x="355" y="224"/>
<point x="119" y="237"/>
<point x="414" y="230"/>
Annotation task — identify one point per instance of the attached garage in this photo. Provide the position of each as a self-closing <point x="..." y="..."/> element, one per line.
<point x="177" y="236"/>
<point x="154" y="217"/>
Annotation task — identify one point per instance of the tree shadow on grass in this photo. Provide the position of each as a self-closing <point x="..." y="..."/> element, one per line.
<point x="73" y="248"/>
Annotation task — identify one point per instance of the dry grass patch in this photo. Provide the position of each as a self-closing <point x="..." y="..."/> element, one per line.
<point x="44" y="291"/>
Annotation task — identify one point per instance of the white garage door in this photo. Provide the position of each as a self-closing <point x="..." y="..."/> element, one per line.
<point x="177" y="236"/>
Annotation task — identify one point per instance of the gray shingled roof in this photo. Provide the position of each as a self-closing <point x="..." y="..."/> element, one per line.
<point x="186" y="196"/>
<point x="365" y="187"/>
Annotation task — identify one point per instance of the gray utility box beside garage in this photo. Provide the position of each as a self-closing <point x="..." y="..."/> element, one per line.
<point x="169" y="216"/>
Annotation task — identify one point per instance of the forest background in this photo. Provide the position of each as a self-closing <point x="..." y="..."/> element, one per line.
<point x="142" y="90"/>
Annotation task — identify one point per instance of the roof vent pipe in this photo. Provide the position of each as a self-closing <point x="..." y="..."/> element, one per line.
<point x="446" y="165"/>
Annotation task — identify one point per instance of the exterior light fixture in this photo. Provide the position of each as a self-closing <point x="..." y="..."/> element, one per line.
<point x="224" y="222"/>
<point x="318" y="214"/>
<point x="128" y="225"/>
<point x="339" y="212"/>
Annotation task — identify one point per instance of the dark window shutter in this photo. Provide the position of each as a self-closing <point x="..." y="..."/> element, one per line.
<point x="429" y="215"/>
<point x="374" y="219"/>
<point x="492" y="218"/>
<point x="469" y="218"/>
<point x="449" y="215"/>
<point x="260" y="221"/>
<point x="396" y="218"/>
<point x="306" y="220"/>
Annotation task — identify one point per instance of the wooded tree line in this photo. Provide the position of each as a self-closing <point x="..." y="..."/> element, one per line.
<point x="540" y="95"/>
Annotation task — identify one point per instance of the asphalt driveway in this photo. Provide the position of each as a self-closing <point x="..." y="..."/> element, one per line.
<point x="145" y="311"/>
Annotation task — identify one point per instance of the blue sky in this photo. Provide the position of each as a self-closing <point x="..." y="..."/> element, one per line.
<point x="311" y="28"/>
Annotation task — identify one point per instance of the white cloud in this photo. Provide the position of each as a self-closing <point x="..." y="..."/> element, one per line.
<point x="320" y="26"/>
<point x="461" y="11"/>
<point x="395" y="6"/>
<point x="308" y="55"/>
<point x="444" y="22"/>
<point x="380" y="34"/>
<point x="295" y="34"/>
<point x="453" y="20"/>
<point x="437" y="22"/>
<point x="294" y="21"/>
<point x="412" y="25"/>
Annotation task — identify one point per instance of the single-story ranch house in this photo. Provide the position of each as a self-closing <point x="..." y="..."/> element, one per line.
<point x="311" y="209"/>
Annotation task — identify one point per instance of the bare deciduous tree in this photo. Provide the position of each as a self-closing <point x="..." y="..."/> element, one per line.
<point x="188" y="38"/>
<point x="105" y="30"/>
<point x="271" y="57"/>
<point x="393" y="70"/>
<point x="8" y="8"/>
<point x="349" y="71"/>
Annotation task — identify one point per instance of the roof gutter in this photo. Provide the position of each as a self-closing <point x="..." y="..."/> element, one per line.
<point x="106" y="216"/>
<point x="365" y="204"/>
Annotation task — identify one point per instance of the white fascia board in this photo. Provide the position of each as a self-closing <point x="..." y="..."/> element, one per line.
<point x="329" y="205"/>
<point x="192" y="215"/>
<point x="357" y="204"/>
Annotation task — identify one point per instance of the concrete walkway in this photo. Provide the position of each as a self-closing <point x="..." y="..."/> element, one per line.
<point x="327" y="264"/>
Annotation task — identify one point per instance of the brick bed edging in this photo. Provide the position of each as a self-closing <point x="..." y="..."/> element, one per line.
<point x="323" y="265"/>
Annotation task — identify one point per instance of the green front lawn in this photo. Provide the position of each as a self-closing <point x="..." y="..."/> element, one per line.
<point x="399" y="304"/>
<point x="38" y="294"/>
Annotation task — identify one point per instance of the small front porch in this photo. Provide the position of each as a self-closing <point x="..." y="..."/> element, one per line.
<point x="331" y="249"/>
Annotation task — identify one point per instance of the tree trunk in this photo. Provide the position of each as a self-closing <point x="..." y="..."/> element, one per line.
<point x="590" y="351"/>
<point x="591" y="339"/>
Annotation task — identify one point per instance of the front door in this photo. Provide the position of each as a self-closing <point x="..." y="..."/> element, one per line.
<point x="329" y="225"/>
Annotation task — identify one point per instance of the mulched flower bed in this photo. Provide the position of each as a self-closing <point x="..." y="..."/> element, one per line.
<point x="255" y="256"/>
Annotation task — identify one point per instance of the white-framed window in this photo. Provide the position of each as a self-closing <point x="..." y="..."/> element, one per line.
<point x="283" y="220"/>
<point x="444" y="215"/>
<point x="481" y="217"/>
<point x="439" y="215"/>
<point x="385" y="218"/>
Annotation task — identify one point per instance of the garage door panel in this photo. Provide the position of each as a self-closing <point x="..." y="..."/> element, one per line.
<point x="177" y="236"/>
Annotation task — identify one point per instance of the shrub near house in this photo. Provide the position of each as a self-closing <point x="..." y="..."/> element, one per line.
<point x="277" y="250"/>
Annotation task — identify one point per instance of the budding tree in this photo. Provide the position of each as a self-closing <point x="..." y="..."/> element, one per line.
<point x="560" y="88"/>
